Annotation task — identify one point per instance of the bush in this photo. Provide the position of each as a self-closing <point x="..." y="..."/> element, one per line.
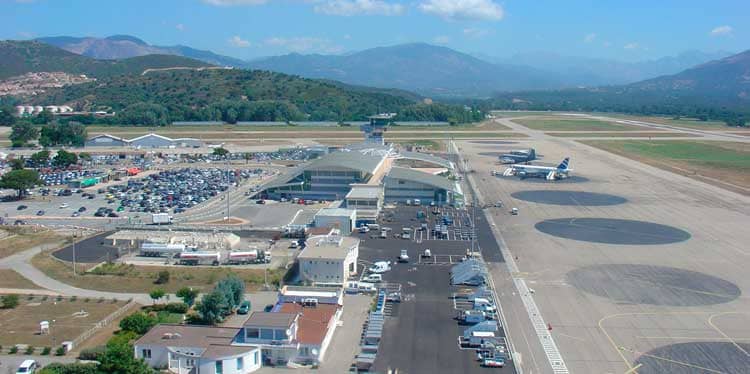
<point x="92" y="354"/>
<point x="30" y="350"/>
<point x="13" y="350"/>
<point x="180" y="308"/>
<point x="60" y="351"/>
<point x="138" y="323"/>
<point x="162" y="277"/>
<point x="46" y="351"/>
<point x="73" y="298"/>
<point x="9" y="301"/>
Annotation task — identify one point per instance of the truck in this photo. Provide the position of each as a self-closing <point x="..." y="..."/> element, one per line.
<point x="161" y="219"/>
<point x="161" y="249"/>
<point x="472" y="317"/>
<point x="200" y="258"/>
<point x="243" y="257"/>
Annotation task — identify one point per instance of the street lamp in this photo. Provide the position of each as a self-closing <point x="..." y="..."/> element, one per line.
<point x="75" y="239"/>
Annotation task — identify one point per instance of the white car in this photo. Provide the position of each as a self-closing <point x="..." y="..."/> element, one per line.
<point x="404" y="256"/>
<point x="64" y="205"/>
<point x="26" y="367"/>
<point x="380" y="267"/>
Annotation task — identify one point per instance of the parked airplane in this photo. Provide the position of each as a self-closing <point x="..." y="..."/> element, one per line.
<point x="517" y="156"/>
<point x="549" y="172"/>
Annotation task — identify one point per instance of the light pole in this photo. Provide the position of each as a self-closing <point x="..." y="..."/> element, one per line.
<point x="75" y="239"/>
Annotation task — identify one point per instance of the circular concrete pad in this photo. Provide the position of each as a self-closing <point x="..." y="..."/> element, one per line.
<point x="576" y="198"/>
<point x="570" y="179"/>
<point x="493" y="142"/>
<point x="612" y="231"/>
<point x="696" y="358"/>
<point x="653" y="285"/>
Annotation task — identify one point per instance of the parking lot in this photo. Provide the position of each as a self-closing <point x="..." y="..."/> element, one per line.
<point x="421" y="334"/>
<point x="428" y="223"/>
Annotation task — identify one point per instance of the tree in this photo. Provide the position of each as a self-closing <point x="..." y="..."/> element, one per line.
<point x="156" y="294"/>
<point x="233" y="289"/>
<point x="44" y="117"/>
<point x="9" y="301"/>
<point x="211" y="307"/>
<point x="221" y="152"/>
<point x="187" y="295"/>
<point x="16" y="164"/>
<point x="63" y="134"/>
<point x="23" y="132"/>
<point x="138" y="323"/>
<point x="20" y="180"/>
<point x="118" y="358"/>
<point x="247" y="156"/>
<point x="6" y="116"/>
<point x="63" y="159"/>
<point x="735" y="121"/>
<point x="40" y="158"/>
<point x="84" y="156"/>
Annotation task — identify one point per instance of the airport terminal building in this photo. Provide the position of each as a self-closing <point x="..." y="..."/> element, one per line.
<point x="366" y="176"/>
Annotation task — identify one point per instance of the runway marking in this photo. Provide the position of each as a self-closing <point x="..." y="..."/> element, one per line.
<point x="572" y="337"/>
<point x="668" y="360"/>
<point x="711" y="323"/>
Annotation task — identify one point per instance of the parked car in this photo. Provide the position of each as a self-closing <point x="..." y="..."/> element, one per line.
<point x="21" y="207"/>
<point x="40" y="213"/>
<point x="244" y="307"/>
<point x="27" y="367"/>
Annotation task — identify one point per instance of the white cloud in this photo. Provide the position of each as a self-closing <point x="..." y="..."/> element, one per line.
<point x="607" y="44"/>
<point x="589" y="38"/>
<point x="463" y="9"/>
<point x="474" y="32"/>
<point x="355" y="7"/>
<point x="304" y="44"/>
<point x="441" y="39"/>
<point x="234" y="2"/>
<point x="721" y="31"/>
<point x="631" y="46"/>
<point x="238" y="42"/>
<point x="180" y="27"/>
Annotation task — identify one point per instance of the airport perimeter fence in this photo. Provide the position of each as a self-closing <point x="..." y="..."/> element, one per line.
<point x="103" y="323"/>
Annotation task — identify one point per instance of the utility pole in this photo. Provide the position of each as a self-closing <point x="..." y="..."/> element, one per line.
<point x="75" y="239"/>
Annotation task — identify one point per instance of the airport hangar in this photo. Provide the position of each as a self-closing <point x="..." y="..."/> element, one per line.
<point x="366" y="176"/>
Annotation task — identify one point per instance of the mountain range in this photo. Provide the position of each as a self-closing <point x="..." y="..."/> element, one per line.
<point x="426" y="69"/>
<point x="21" y="57"/>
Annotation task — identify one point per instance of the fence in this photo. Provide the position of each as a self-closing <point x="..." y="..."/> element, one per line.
<point x="103" y="323"/>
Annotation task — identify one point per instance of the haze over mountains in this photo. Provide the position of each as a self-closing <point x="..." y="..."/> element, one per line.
<point x="423" y="68"/>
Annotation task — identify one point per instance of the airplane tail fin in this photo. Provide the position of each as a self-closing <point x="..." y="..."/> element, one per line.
<point x="564" y="164"/>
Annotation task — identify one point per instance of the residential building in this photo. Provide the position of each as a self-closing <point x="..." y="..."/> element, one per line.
<point x="186" y="349"/>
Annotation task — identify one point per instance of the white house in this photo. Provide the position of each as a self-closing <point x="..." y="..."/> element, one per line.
<point x="184" y="349"/>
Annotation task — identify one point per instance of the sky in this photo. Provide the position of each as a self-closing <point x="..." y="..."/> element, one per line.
<point x="627" y="30"/>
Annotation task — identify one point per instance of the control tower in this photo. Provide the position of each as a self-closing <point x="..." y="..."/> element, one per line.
<point x="377" y="127"/>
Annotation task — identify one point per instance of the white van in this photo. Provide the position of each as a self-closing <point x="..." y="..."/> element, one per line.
<point x="28" y="366"/>
<point x="373" y="278"/>
<point x="373" y="226"/>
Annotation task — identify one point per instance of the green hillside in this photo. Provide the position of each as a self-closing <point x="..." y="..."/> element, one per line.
<point x="240" y="95"/>
<point x="20" y="57"/>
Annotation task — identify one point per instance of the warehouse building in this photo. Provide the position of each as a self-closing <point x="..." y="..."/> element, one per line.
<point x="403" y="184"/>
<point x="329" y="260"/>
<point x="106" y="140"/>
<point x="145" y="141"/>
<point x="340" y="218"/>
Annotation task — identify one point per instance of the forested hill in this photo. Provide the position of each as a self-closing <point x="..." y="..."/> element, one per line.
<point x="20" y="57"/>
<point x="240" y="95"/>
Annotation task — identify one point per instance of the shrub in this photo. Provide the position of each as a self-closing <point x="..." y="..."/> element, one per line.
<point x="138" y="323"/>
<point x="13" y="350"/>
<point x="60" y="351"/>
<point x="92" y="354"/>
<point x="180" y="308"/>
<point x="46" y="351"/>
<point x="162" y="277"/>
<point x="73" y="298"/>
<point x="30" y="350"/>
<point x="9" y="301"/>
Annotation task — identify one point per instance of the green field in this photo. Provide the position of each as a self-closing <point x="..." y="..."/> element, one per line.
<point x="577" y="124"/>
<point x="726" y="164"/>
<point x="661" y="134"/>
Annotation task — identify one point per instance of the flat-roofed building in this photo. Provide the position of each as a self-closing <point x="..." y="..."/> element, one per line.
<point x="404" y="184"/>
<point x="329" y="260"/>
<point x="340" y="218"/>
